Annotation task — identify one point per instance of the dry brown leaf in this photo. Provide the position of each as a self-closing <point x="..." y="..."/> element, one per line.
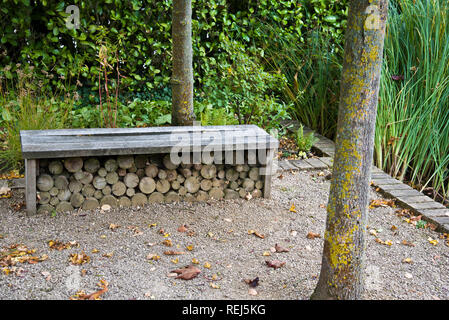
<point x="58" y="245"/>
<point x="312" y="235"/>
<point x="153" y="256"/>
<point x="278" y="248"/>
<point x="407" y="260"/>
<point x="78" y="259"/>
<point x="386" y="242"/>
<point x="252" y="283"/>
<point x="214" y="285"/>
<point x="182" y="228"/>
<point x="113" y="226"/>
<point x="407" y="243"/>
<point x="257" y="234"/>
<point x="382" y="203"/>
<point x="167" y="242"/>
<point x="173" y="253"/>
<point x="93" y="296"/>
<point x="274" y="263"/>
<point x="187" y="272"/>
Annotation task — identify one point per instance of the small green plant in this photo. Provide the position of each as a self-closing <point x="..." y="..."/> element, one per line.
<point x="211" y="116"/>
<point x="420" y="224"/>
<point x="304" y="142"/>
<point x="26" y="105"/>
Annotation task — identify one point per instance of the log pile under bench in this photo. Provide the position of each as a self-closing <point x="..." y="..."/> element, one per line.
<point x="136" y="168"/>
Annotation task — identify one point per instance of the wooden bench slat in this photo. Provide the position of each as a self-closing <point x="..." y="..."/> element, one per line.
<point x="111" y="148"/>
<point x="137" y="131"/>
<point x="143" y="138"/>
<point x="77" y="142"/>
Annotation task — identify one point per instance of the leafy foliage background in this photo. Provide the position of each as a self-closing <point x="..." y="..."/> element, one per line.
<point x="34" y="32"/>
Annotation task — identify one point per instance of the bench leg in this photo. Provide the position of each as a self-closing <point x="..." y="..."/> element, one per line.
<point x="30" y="185"/>
<point x="268" y="173"/>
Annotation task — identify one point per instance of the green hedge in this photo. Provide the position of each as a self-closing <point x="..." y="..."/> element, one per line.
<point x="35" y="32"/>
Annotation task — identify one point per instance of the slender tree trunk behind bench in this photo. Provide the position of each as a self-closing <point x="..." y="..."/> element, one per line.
<point x="182" y="76"/>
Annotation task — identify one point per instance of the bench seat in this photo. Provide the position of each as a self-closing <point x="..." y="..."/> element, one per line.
<point x="64" y="143"/>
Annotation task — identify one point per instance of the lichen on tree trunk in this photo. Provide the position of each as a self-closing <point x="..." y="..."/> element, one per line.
<point x="182" y="75"/>
<point x="342" y="269"/>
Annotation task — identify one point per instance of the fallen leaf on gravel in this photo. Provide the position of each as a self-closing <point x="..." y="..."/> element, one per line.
<point x="257" y="234"/>
<point x="187" y="272"/>
<point x="189" y="247"/>
<point x="292" y="208"/>
<point x="406" y="243"/>
<point x="278" y="248"/>
<point x="252" y="283"/>
<point x="136" y="230"/>
<point x="95" y="251"/>
<point x="382" y="203"/>
<point x="113" y="226"/>
<point x="407" y="260"/>
<point x="431" y="226"/>
<point x="281" y="176"/>
<point x="312" y="235"/>
<point x="403" y="212"/>
<point x="266" y="253"/>
<point x="195" y="261"/>
<point x="432" y="241"/>
<point x="322" y="206"/>
<point x="274" y="263"/>
<point x="153" y="256"/>
<point x="214" y="285"/>
<point x="175" y="261"/>
<point x="207" y="265"/>
<point x="108" y="255"/>
<point x="58" y="245"/>
<point x="294" y="233"/>
<point x="93" y="296"/>
<point x="173" y="253"/>
<point x="161" y="231"/>
<point x="151" y="225"/>
<point x="387" y="242"/>
<point x="393" y="228"/>
<point x="167" y="242"/>
<point x="182" y="228"/>
<point x="78" y="259"/>
<point x="373" y="232"/>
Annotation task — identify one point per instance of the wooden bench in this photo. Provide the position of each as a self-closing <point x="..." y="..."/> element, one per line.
<point x="66" y="143"/>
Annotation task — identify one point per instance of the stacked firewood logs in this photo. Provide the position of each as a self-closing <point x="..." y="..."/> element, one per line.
<point x="88" y="183"/>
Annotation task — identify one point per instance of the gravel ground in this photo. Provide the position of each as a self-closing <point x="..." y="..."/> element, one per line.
<point x="220" y="239"/>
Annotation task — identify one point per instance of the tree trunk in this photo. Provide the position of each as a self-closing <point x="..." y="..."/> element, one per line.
<point x="342" y="268"/>
<point x="182" y="76"/>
